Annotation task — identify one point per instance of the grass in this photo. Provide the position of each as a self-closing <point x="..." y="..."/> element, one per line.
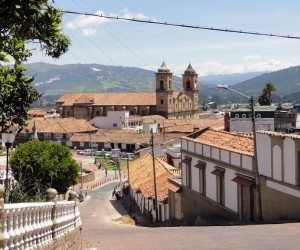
<point x="109" y="164"/>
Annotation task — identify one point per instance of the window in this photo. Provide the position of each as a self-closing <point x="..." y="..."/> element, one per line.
<point x="97" y="113"/>
<point x="236" y="116"/>
<point x="68" y="114"/>
<point x="202" y="179"/>
<point x="220" y="185"/>
<point x="188" y="84"/>
<point x="220" y="190"/>
<point x="47" y="135"/>
<point x="161" y="84"/>
<point x="161" y="101"/>
<point x="188" y="175"/>
<point x="188" y="172"/>
<point x="115" y="125"/>
<point x="169" y="84"/>
<point x="243" y="115"/>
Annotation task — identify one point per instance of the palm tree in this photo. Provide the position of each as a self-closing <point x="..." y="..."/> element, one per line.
<point x="265" y="98"/>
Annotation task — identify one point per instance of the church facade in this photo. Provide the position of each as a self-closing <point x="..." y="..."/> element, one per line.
<point x="164" y="101"/>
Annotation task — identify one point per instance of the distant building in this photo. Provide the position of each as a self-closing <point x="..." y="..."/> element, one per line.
<point x="164" y="101"/>
<point x="113" y="120"/>
<point x="240" y="120"/>
<point x="54" y="130"/>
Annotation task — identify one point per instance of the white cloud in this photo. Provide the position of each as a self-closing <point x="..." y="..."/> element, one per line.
<point x="216" y="67"/>
<point x="86" y="23"/>
<point x="88" y="31"/>
<point x="83" y="21"/>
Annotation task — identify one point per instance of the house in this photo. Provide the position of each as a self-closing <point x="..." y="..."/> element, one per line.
<point x="164" y="101"/>
<point x="108" y="139"/>
<point x="215" y="164"/>
<point x="279" y="165"/>
<point x="141" y="181"/>
<point x="54" y="130"/>
<point x="219" y="176"/>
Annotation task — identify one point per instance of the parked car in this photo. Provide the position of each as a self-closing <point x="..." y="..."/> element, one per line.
<point x="87" y="152"/>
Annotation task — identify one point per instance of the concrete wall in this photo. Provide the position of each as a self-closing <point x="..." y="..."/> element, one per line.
<point x="245" y="125"/>
<point x="279" y="201"/>
<point x="194" y="204"/>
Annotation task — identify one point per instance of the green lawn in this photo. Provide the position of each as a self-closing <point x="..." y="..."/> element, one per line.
<point x="109" y="164"/>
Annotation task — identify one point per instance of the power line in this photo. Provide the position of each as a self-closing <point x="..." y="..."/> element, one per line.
<point x="182" y="25"/>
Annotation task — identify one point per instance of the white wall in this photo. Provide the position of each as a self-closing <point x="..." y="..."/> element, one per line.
<point x="245" y="125"/>
<point x="120" y="118"/>
<point x="235" y="159"/>
<point x="277" y="166"/>
<point x="289" y="159"/>
<point x="264" y="154"/>
<point x="231" y="197"/>
<point x="211" y="183"/>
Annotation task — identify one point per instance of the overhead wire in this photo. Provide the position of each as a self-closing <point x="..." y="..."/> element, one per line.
<point x="182" y="25"/>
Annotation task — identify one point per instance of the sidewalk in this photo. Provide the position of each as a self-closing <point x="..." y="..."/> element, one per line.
<point x="100" y="179"/>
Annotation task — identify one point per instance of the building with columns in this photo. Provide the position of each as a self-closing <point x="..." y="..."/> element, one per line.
<point x="164" y="101"/>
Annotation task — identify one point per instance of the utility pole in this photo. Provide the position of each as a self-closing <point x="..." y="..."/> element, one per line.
<point x="257" y="178"/>
<point x="258" y="203"/>
<point x="154" y="175"/>
<point x="129" y="188"/>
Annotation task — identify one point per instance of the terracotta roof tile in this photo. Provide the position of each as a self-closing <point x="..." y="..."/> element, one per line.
<point x="188" y="126"/>
<point x="141" y="176"/>
<point x="125" y="99"/>
<point x="230" y="141"/>
<point x="84" y="99"/>
<point x="60" y="125"/>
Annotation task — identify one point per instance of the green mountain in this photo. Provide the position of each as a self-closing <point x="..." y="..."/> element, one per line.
<point x="57" y="79"/>
<point x="54" y="80"/>
<point x="286" y="81"/>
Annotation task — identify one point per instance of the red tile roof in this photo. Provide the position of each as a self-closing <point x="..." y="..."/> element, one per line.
<point x="233" y="142"/>
<point x="125" y="99"/>
<point x="60" y="125"/>
<point x="141" y="176"/>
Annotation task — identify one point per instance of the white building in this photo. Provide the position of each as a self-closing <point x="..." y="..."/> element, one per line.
<point x="218" y="176"/>
<point x="240" y="120"/>
<point x="113" y="120"/>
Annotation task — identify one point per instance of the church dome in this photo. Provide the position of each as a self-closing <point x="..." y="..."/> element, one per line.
<point x="190" y="70"/>
<point x="163" y="68"/>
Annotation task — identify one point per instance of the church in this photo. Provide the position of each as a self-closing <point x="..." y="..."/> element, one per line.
<point x="164" y="101"/>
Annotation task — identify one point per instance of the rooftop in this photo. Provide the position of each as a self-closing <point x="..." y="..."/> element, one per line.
<point x="59" y="125"/>
<point x="238" y="143"/>
<point x="98" y="99"/>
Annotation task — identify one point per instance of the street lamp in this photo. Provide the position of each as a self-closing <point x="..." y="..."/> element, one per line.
<point x="257" y="179"/>
<point x="8" y="138"/>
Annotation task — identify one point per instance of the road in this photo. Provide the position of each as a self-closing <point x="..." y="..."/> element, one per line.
<point x="102" y="230"/>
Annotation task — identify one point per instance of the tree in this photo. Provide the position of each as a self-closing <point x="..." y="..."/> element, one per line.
<point x="265" y="98"/>
<point x="38" y="165"/>
<point x="23" y="23"/>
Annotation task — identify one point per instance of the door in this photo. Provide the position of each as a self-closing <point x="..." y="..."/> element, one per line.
<point x="246" y="203"/>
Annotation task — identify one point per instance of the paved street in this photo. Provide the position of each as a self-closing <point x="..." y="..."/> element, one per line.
<point x="101" y="230"/>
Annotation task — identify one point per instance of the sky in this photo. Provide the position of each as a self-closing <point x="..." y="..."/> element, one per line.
<point x="124" y="43"/>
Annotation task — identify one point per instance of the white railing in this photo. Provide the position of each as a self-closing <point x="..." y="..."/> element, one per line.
<point x="37" y="225"/>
